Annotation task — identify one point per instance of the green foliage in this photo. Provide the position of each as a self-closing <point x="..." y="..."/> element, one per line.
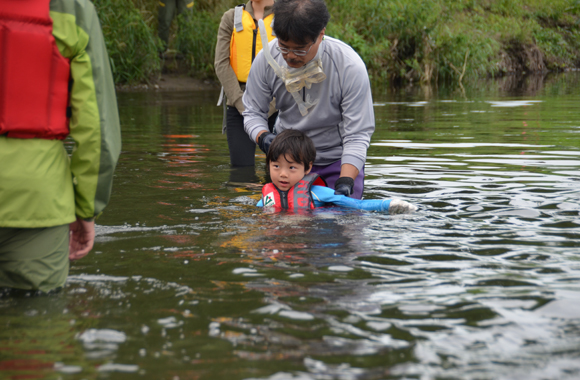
<point x="196" y="40"/>
<point x="450" y="39"/>
<point x="506" y="8"/>
<point x="395" y="38"/>
<point x="402" y="40"/>
<point x="132" y="47"/>
<point x="456" y="43"/>
<point x="551" y="43"/>
<point x="149" y="12"/>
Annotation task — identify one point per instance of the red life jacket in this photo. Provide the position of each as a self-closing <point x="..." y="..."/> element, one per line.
<point x="34" y="76"/>
<point x="297" y="197"/>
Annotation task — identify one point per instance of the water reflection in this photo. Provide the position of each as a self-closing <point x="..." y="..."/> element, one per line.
<point x="190" y="280"/>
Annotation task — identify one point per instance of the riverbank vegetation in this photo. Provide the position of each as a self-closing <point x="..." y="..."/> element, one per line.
<point x="429" y="41"/>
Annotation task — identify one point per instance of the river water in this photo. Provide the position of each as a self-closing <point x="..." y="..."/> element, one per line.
<point x="188" y="280"/>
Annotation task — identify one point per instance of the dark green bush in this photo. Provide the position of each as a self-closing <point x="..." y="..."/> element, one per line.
<point x="132" y="45"/>
<point x="196" y="40"/>
<point x="408" y="40"/>
<point x="451" y="39"/>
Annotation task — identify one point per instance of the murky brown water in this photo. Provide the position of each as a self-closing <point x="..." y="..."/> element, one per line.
<point x="188" y="280"/>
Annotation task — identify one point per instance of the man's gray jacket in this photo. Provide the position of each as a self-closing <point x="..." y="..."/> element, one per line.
<point x="340" y="124"/>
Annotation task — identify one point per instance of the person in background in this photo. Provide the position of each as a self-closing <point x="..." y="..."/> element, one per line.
<point x="168" y="9"/>
<point x="295" y="187"/>
<point x="238" y="43"/>
<point x="57" y="82"/>
<point x="321" y="87"/>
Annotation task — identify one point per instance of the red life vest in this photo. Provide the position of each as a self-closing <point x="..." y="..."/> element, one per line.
<point x="297" y="197"/>
<point x="34" y="76"/>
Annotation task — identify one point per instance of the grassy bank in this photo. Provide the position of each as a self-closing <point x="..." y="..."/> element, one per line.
<point x="400" y="40"/>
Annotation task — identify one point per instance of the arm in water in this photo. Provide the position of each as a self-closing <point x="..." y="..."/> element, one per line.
<point x="324" y="195"/>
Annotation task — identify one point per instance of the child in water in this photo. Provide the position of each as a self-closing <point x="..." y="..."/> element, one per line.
<point x="293" y="187"/>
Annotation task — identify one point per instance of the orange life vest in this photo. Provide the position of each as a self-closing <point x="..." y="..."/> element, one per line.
<point x="246" y="41"/>
<point x="34" y="76"/>
<point x="297" y="197"/>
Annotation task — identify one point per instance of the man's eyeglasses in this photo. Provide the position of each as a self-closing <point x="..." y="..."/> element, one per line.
<point x="298" y="53"/>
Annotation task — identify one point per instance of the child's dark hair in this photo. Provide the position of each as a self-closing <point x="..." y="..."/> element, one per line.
<point x="295" y="144"/>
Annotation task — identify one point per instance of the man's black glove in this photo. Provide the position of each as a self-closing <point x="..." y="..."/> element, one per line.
<point x="265" y="140"/>
<point x="344" y="186"/>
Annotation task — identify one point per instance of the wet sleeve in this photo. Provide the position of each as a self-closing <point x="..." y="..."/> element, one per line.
<point x="94" y="124"/>
<point x="326" y="195"/>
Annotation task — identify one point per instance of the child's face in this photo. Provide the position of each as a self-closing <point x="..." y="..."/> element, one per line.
<point x="286" y="173"/>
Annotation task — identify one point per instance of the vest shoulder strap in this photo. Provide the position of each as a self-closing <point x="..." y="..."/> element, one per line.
<point x="299" y="196"/>
<point x="238" y="13"/>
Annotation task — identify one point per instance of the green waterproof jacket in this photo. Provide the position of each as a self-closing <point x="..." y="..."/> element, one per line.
<point x="40" y="184"/>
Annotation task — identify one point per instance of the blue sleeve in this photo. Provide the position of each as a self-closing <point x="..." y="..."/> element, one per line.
<point x="323" y="195"/>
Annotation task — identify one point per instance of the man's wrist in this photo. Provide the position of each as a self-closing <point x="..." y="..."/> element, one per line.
<point x="264" y="141"/>
<point x="260" y="134"/>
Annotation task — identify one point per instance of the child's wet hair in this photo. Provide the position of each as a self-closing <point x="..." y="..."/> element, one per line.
<point x="294" y="144"/>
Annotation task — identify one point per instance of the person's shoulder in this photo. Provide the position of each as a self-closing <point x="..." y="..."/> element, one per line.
<point x="342" y="53"/>
<point x="335" y="41"/>
<point x="336" y="47"/>
<point x="76" y="5"/>
<point x="230" y="12"/>
<point x="228" y="15"/>
<point x="336" y="44"/>
<point x="84" y="11"/>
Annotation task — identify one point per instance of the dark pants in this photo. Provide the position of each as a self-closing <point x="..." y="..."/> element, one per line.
<point x="34" y="258"/>
<point x="242" y="148"/>
<point x="167" y="10"/>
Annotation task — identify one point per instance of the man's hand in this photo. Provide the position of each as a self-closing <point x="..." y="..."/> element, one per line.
<point x="344" y="186"/>
<point x="264" y="141"/>
<point x="82" y="238"/>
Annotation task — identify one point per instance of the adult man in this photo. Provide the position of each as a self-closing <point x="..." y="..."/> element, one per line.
<point x="168" y="9"/>
<point x="54" y="64"/>
<point x="321" y="87"/>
